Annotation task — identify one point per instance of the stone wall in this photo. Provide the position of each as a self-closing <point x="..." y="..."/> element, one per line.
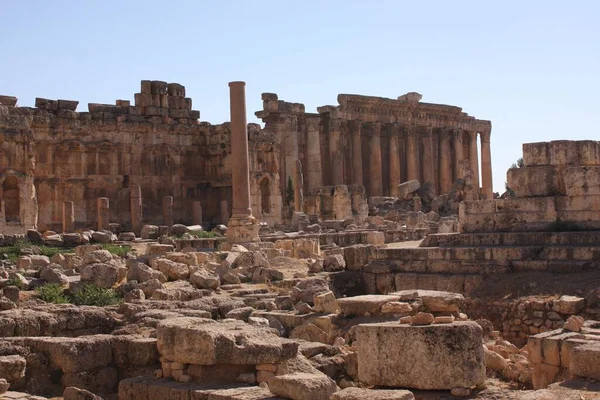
<point x="52" y="154"/>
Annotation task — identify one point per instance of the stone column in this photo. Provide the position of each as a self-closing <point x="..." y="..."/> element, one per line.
<point x="394" y="163"/>
<point x="242" y="226"/>
<point x="313" y="156"/>
<point x="376" y="183"/>
<point x="298" y="183"/>
<point x="412" y="167"/>
<point x="68" y="217"/>
<point x="445" y="162"/>
<point x="427" y="159"/>
<point x="486" y="167"/>
<point x="474" y="159"/>
<point x="196" y="212"/>
<point x="224" y="212"/>
<point x="167" y="210"/>
<point x="136" y="208"/>
<point x="357" y="167"/>
<point x="103" y="213"/>
<point x="457" y="135"/>
<point x="335" y="151"/>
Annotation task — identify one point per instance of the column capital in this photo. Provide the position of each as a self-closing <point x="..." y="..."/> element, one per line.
<point x="336" y="124"/>
<point x="312" y="124"/>
<point x="355" y="126"/>
<point x="457" y="134"/>
<point x="376" y="131"/>
<point x="485" y="137"/>
<point x="472" y="135"/>
<point x="411" y="130"/>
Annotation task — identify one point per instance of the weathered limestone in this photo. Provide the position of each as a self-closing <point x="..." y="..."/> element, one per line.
<point x="137" y="220"/>
<point x="167" y="210"/>
<point x="441" y="356"/>
<point x="68" y="217"/>
<point x="428" y="158"/>
<point x="335" y="153"/>
<point x="357" y="163"/>
<point x="205" y="342"/>
<point x="103" y="213"/>
<point x="242" y="226"/>
<point x="474" y="159"/>
<point x="197" y="213"/>
<point x="457" y="136"/>
<point x="394" y="163"/>
<point x="224" y="211"/>
<point x="376" y="181"/>
<point x="445" y="169"/>
<point x="486" y="166"/>
<point x="313" y="144"/>
<point x="412" y="166"/>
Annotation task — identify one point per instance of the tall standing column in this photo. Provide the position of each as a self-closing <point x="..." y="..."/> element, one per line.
<point x="68" y="217"/>
<point x="375" y="162"/>
<point x="427" y="159"/>
<point x="313" y="150"/>
<point x="335" y="151"/>
<point x="103" y="213"/>
<point x="486" y="166"/>
<point x="357" y="167"/>
<point x="394" y="163"/>
<point x="240" y="178"/>
<point x="167" y="210"/>
<point x="457" y="135"/>
<point x="136" y="208"/>
<point x="196" y="212"/>
<point x="412" y="167"/>
<point x="474" y="159"/>
<point x="445" y="162"/>
<point x="242" y="226"/>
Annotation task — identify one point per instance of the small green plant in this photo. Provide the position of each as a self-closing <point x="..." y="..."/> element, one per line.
<point x="14" y="281"/>
<point x="203" y="234"/>
<point x="52" y="293"/>
<point x="116" y="249"/>
<point x="14" y="251"/>
<point x="289" y="192"/>
<point x="92" y="295"/>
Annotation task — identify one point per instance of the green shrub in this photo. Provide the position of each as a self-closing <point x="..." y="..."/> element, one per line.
<point x="52" y="293"/>
<point x="13" y="252"/>
<point x="203" y="234"/>
<point x="92" y="295"/>
<point x="14" y="281"/>
<point x="116" y="249"/>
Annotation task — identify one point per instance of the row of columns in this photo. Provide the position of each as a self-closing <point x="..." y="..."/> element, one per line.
<point x="448" y="160"/>
<point x="103" y="212"/>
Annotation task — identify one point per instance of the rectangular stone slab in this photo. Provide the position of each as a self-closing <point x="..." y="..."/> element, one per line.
<point x="441" y="356"/>
<point x="206" y="342"/>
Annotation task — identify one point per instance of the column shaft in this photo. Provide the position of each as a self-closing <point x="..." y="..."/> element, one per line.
<point x="103" y="213"/>
<point x="167" y="210"/>
<point x="486" y="167"/>
<point x="357" y="167"/>
<point x="313" y="150"/>
<point x="474" y="159"/>
<point x="68" y="217"/>
<point x="412" y="168"/>
<point x="445" y="163"/>
<point x="394" y="163"/>
<point x="240" y="178"/>
<point x="458" y="152"/>
<point x="196" y="212"/>
<point x="136" y="208"/>
<point x="375" y="162"/>
<point x="335" y="152"/>
<point x="427" y="159"/>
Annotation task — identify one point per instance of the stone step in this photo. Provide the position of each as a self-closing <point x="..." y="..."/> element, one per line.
<point x="584" y="238"/>
<point x="146" y="388"/>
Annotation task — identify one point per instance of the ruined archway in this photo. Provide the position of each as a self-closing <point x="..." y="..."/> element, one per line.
<point x="12" y="208"/>
<point x="265" y="196"/>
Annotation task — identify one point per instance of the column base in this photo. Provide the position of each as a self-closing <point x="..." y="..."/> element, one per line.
<point x="300" y="221"/>
<point x="242" y="229"/>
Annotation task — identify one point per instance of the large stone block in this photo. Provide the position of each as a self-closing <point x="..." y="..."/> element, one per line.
<point x="582" y="181"/>
<point x="205" y="342"/>
<point x="443" y="356"/>
<point x="563" y="152"/>
<point x="534" y="181"/>
<point x="585" y="361"/>
<point x="536" y="154"/>
<point x="589" y="152"/>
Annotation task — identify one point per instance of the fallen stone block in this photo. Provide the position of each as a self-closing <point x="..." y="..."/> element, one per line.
<point x="206" y="342"/>
<point x="303" y="386"/>
<point x="354" y="393"/>
<point x="585" y="361"/>
<point x="428" y="357"/>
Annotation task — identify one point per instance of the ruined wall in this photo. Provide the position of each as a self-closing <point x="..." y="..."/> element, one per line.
<point x="157" y="144"/>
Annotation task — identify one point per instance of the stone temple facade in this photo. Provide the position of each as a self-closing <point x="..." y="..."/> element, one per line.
<point x="157" y="164"/>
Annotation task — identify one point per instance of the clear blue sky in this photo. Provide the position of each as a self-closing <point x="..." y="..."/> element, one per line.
<point x="531" y="67"/>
